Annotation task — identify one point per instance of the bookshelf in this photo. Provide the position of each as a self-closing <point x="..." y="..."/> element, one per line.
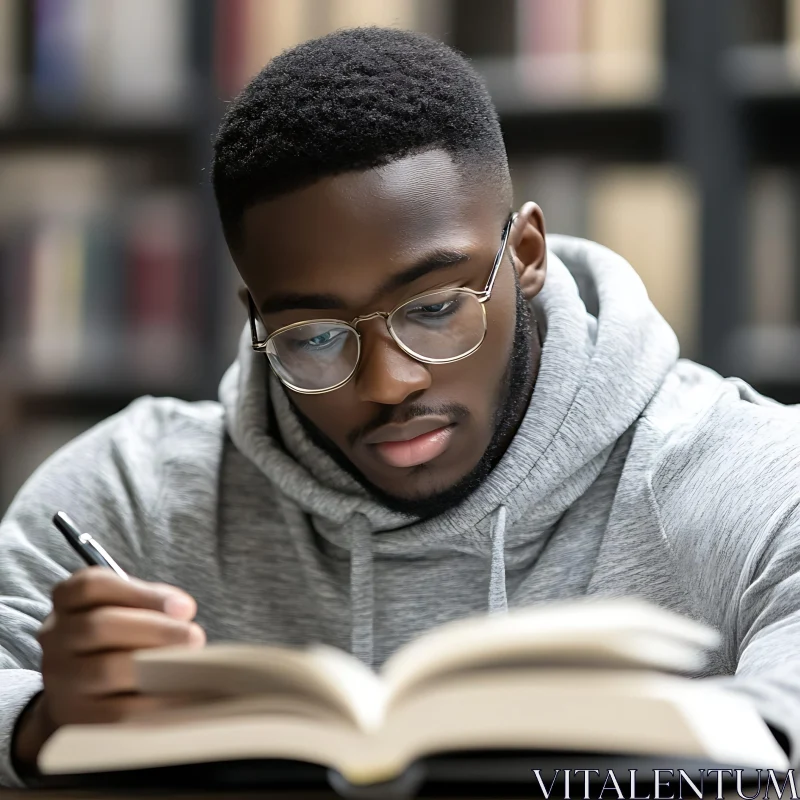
<point x="692" y="107"/>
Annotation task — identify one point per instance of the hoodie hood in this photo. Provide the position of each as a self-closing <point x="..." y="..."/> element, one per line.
<point x="606" y="351"/>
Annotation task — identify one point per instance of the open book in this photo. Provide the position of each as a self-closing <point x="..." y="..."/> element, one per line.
<point x="583" y="676"/>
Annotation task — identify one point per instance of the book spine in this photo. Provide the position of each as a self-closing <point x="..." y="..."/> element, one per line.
<point x="147" y="55"/>
<point x="649" y="216"/>
<point x="388" y="13"/>
<point x="549" y="26"/>
<point x="793" y="36"/>
<point x="56" y="72"/>
<point x="14" y="283"/>
<point x="229" y="28"/>
<point x="157" y="281"/>
<point x="51" y="339"/>
<point x="771" y="256"/>
<point x="559" y="186"/>
<point x="550" y="58"/>
<point x="104" y="321"/>
<point x="9" y="33"/>
<point x="624" y="44"/>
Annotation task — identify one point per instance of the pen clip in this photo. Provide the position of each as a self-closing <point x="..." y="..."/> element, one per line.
<point x="89" y="542"/>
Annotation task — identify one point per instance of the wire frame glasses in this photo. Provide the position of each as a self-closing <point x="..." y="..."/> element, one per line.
<point x="320" y="355"/>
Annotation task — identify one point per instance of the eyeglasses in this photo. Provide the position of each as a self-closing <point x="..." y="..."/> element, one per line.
<point x="317" y="356"/>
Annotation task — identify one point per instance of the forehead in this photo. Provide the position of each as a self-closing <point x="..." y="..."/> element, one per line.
<point x="355" y="229"/>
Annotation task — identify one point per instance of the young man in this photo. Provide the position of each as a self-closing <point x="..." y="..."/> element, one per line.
<point x="454" y="415"/>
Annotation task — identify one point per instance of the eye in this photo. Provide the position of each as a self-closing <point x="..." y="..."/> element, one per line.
<point x="322" y="338"/>
<point x="321" y="341"/>
<point x="434" y="310"/>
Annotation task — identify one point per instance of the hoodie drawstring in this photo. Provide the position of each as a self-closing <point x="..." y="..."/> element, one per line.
<point x="362" y="589"/>
<point x="498" y="601"/>
<point x="362" y="592"/>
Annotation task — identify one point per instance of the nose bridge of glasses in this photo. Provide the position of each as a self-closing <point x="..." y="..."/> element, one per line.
<point x="385" y="334"/>
<point x="367" y="317"/>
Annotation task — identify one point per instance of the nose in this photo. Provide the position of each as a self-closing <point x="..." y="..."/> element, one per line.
<point x="385" y="373"/>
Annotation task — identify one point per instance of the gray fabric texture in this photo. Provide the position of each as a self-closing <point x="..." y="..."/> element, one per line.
<point x="632" y="473"/>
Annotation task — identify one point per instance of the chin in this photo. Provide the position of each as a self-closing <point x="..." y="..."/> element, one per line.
<point x="424" y="493"/>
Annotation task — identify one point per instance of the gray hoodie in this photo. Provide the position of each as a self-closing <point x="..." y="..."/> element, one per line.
<point x="632" y="473"/>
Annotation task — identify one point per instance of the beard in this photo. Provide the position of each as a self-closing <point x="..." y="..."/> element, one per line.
<point x="512" y="401"/>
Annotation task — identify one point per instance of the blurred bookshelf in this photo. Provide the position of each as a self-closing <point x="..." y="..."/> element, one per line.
<point x="665" y="129"/>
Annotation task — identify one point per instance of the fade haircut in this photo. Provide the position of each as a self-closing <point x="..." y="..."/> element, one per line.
<point x="353" y="100"/>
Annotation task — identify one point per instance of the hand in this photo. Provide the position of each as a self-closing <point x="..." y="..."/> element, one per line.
<point x="98" y="620"/>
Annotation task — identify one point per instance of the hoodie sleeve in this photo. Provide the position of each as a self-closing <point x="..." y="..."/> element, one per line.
<point x="108" y="481"/>
<point x="728" y="492"/>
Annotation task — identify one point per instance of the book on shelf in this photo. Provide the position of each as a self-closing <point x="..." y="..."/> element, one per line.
<point x="550" y="44"/>
<point x="648" y="214"/>
<point x="772" y="254"/>
<point x="112" y="55"/>
<point x="589" y="50"/>
<point x="162" y="281"/>
<point x="146" y="55"/>
<point x="559" y="185"/>
<point x="793" y="36"/>
<point x="251" y="32"/>
<point x="623" y="42"/>
<point x="9" y="37"/>
<point x="98" y="266"/>
<point x="767" y="346"/>
<point x="591" y="676"/>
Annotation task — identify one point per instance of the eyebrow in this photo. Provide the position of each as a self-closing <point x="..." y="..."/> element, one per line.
<point x="435" y="260"/>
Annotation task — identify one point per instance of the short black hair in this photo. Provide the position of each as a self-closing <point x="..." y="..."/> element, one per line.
<point x="352" y="100"/>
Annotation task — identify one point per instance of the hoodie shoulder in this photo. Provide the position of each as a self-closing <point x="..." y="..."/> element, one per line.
<point x="724" y="465"/>
<point x="702" y="421"/>
<point x="113" y="478"/>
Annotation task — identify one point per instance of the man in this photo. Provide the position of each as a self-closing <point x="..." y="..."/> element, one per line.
<point x="435" y="412"/>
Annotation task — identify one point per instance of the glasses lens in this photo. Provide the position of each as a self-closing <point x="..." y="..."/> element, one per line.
<point x="314" y="356"/>
<point x="441" y="325"/>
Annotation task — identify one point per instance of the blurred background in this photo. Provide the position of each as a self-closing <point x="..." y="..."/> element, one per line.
<point x="668" y="130"/>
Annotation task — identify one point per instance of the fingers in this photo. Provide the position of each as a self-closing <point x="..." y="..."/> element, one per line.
<point x="99" y="710"/>
<point x="95" y="587"/>
<point x="114" y="628"/>
<point x="95" y="675"/>
<point x="88" y="641"/>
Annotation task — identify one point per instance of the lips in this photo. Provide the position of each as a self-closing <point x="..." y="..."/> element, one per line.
<point x="414" y="443"/>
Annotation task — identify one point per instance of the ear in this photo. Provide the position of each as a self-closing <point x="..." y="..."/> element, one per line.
<point x="529" y="249"/>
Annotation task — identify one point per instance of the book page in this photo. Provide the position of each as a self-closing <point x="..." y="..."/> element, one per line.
<point x="575" y="710"/>
<point x="334" y="680"/>
<point x="568" y="710"/>
<point x="612" y="633"/>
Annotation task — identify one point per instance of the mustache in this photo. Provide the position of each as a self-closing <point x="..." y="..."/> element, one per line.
<point x="388" y="415"/>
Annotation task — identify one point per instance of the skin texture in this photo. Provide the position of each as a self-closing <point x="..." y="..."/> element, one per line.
<point x="346" y="236"/>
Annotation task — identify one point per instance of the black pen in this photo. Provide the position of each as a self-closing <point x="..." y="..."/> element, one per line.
<point x="89" y="549"/>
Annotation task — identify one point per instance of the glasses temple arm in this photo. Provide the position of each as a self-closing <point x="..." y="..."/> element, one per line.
<point x="500" y="256"/>
<point x="251" y="308"/>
